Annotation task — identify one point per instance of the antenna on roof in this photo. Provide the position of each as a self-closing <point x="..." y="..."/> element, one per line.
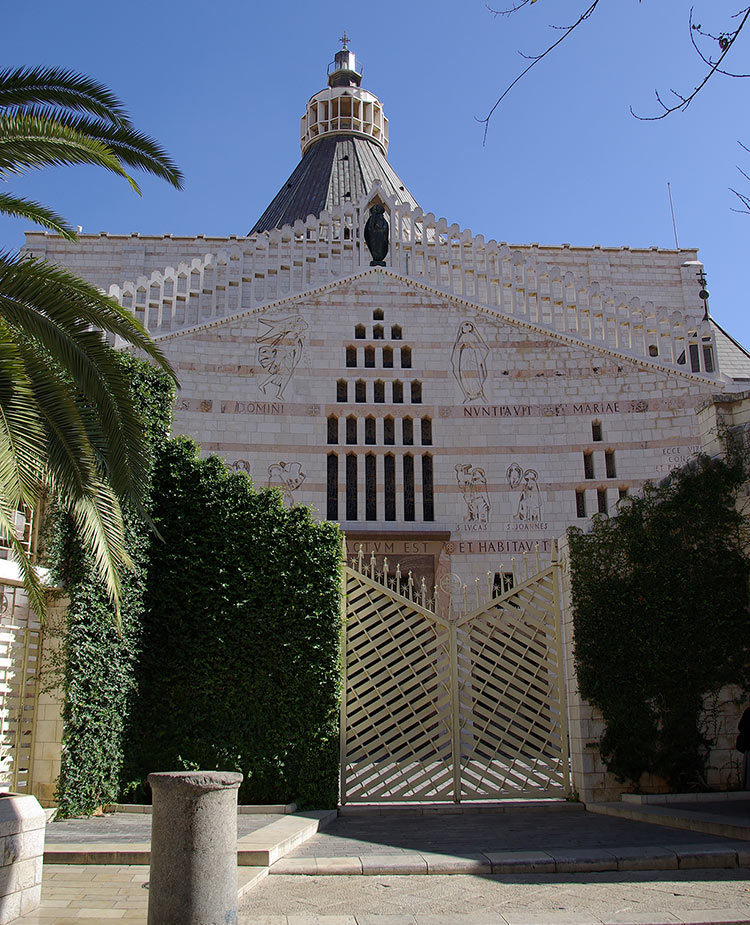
<point x="671" y="208"/>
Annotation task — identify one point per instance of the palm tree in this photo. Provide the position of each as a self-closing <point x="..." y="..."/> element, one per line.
<point x="67" y="420"/>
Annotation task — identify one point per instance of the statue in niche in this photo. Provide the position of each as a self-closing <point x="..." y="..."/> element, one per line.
<point x="377" y="235"/>
<point x="286" y="476"/>
<point x="529" y="503"/>
<point x="280" y="351"/>
<point x="469" y="361"/>
<point x="473" y="484"/>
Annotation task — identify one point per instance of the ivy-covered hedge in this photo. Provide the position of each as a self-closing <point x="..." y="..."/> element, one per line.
<point x="661" y="618"/>
<point x="239" y="664"/>
<point x="97" y="660"/>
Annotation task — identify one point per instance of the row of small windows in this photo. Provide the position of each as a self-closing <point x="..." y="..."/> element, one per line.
<point x="389" y="430"/>
<point x="386" y="478"/>
<point x="378" y="332"/>
<point x="602" y="500"/>
<point x="694" y="354"/>
<point x="378" y="391"/>
<point x="609" y="464"/>
<point x="386" y="357"/>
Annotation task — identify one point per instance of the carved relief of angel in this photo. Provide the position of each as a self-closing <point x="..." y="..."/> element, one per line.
<point x="280" y="351"/>
<point x="288" y="477"/>
<point x="469" y="361"/>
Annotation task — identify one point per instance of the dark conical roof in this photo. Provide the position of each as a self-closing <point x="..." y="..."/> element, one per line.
<point x="334" y="170"/>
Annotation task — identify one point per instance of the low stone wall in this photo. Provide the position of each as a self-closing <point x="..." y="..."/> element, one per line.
<point x="22" y="827"/>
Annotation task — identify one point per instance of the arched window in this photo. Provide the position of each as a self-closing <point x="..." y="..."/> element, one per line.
<point x="370" y="431"/>
<point x="377" y="332"/>
<point x="370" y="357"/>
<point x="351" y="486"/>
<point x="426" y="431"/>
<point x="359" y="332"/>
<point x="389" y="478"/>
<point x="360" y="390"/>
<point x="428" y="498"/>
<point x="396" y="332"/>
<point x="408" y="487"/>
<point x="378" y="314"/>
<point x="407" y="431"/>
<point x="387" y="357"/>
<point x="398" y="391"/>
<point x="333" y="429"/>
<point x="351" y="429"/>
<point x="406" y="358"/>
<point x="379" y="391"/>
<point x="332" y="487"/>
<point x="416" y="392"/>
<point x="371" y="493"/>
<point x="342" y="390"/>
<point x="351" y="356"/>
<point x="388" y="431"/>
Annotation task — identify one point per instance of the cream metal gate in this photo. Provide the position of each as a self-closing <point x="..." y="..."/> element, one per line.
<point x="447" y="698"/>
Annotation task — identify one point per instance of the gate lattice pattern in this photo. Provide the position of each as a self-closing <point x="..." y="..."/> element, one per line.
<point x="458" y="707"/>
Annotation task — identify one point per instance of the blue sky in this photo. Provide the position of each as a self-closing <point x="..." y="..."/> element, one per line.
<point x="223" y="85"/>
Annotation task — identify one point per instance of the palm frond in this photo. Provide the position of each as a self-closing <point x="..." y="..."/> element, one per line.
<point x="132" y="147"/>
<point x="37" y="213"/>
<point x="32" y="142"/>
<point x="24" y="86"/>
<point x="31" y="581"/>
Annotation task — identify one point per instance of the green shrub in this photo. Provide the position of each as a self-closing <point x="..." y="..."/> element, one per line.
<point x="661" y="619"/>
<point x="239" y="664"/>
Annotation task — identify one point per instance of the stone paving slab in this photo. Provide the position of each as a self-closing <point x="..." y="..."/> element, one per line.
<point x="133" y="827"/>
<point x="727" y="819"/>
<point x="471" y="834"/>
<point x="604" y="898"/>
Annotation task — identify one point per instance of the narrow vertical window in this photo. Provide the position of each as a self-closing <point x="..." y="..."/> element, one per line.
<point x="359" y="332"/>
<point x="601" y="500"/>
<point x="398" y="391"/>
<point x="387" y="357"/>
<point x="332" y="487"/>
<point x="588" y="465"/>
<point x="333" y="429"/>
<point x="408" y="487"/>
<point x="609" y="464"/>
<point x="360" y="390"/>
<point x="370" y="431"/>
<point x="708" y="358"/>
<point x="580" y="503"/>
<point x="396" y="332"/>
<point x="370" y="357"/>
<point x="694" y="358"/>
<point x="342" y="390"/>
<point x="371" y="495"/>
<point x="378" y="332"/>
<point x="351" y="487"/>
<point x="428" y="501"/>
<point x="379" y="391"/>
<point x="390" y="486"/>
<point x="596" y="431"/>
<point x="351" y="430"/>
<point x="351" y="356"/>
<point x="426" y="431"/>
<point x="407" y="432"/>
<point x="388" y="431"/>
<point x="622" y="492"/>
<point x="416" y="392"/>
<point x="406" y="358"/>
<point x="378" y="314"/>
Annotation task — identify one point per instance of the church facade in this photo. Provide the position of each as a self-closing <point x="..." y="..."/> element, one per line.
<point x="453" y="402"/>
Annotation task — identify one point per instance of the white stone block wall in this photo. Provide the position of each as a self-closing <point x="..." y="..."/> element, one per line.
<point x="48" y="726"/>
<point x="22" y="830"/>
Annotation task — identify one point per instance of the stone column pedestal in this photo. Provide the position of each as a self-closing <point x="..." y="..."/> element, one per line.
<point x="193" y="848"/>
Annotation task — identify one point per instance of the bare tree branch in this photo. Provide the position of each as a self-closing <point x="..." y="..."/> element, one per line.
<point x="534" y="59"/>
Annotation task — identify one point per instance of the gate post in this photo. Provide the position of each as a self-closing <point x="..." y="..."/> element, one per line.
<point x="455" y="715"/>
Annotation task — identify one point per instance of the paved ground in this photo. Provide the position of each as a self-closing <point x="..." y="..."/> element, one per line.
<point x="734" y="810"/>
<point x="362" y="836"/>
<point x="534" y="899"/>
<point x="127" y="827"/>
